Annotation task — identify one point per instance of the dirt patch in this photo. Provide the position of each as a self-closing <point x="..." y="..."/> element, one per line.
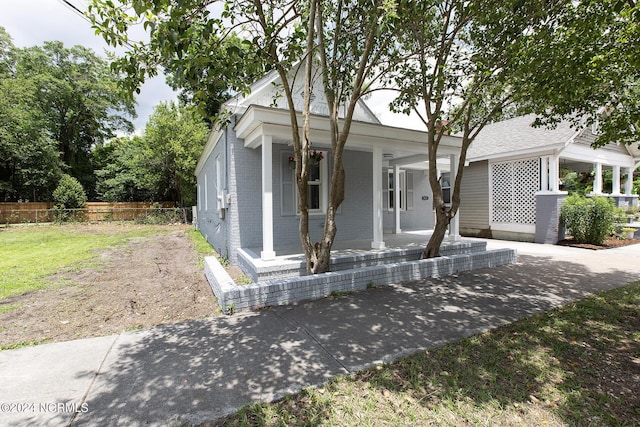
<point x="607" y="244"/>
<point x="149" y="281"/>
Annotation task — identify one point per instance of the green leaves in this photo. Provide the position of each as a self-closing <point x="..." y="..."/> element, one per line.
<point x="589" y="220"/>
<point x="158" y="165"/>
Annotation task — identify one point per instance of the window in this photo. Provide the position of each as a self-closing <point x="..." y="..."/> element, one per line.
<point x="206" y="193"/>
<point x="401" y="188"/>
<point x="219" y="184"/>
<point x="318" y="185"/>
<point x="405" y="187"/>
<point x="445" y="183"/>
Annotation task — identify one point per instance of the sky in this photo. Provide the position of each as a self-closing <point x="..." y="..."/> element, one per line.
<point x="32" y="22"/>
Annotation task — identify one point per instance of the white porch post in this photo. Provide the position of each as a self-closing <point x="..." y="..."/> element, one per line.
<point x="628" y="186"/>
<point x="396" y="199"/>
<point x="378" y="232"/>
<point x="554" y="174"/>
<point x="615" y="183"/>
<point x="544" y="178"/>
<point x="267" y="199"/>
<point x="454" y="225"/>
<point x="597" y="182"/>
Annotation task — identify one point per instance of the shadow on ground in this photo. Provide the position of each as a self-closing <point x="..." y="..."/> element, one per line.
<point x="198" y="371"/>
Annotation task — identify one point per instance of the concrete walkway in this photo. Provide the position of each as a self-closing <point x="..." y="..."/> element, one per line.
<point x="197" y="371"/>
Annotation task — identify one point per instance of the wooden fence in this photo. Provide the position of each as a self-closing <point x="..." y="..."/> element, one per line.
<point x="37" y="212"/>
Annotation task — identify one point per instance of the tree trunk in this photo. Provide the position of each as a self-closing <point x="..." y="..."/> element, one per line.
<point x="442" y="223"/>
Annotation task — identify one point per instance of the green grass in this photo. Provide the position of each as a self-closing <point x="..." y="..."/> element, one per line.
<point x="577" y="365"/>
<point x="203" y="248"/>
<point x="31" y="254"/>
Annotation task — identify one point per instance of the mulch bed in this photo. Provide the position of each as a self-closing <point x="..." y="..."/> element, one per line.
<point x="608" y="244"/>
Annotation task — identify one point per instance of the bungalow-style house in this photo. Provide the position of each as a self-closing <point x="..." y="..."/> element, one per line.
<point x="246" y="181"/>
<point x="511" y="187"/>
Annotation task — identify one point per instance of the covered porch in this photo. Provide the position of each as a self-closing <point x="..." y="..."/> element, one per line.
<point x="390" y="148"/>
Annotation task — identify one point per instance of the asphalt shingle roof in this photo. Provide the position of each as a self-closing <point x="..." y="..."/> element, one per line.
<point x="516" y="134"/>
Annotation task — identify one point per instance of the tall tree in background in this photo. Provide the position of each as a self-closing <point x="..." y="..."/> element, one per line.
<point x="80" y="101"/>
<point x="55" y="100"/>
<point x="30" y="166"/>
<point x="157" y="165"/>
<point x="594" y="55"/>
<point x="123" y="171"/>
<point x="468" y="62"/>
<point x="175" y="136"/>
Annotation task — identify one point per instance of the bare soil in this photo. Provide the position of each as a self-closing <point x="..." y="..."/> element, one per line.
<point x="609" y="243"/>
<point x="149" y="281"/>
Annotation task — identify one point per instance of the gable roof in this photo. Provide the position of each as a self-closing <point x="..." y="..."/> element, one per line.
<point x="517" y="135"/>
<point x="267" y="92"/>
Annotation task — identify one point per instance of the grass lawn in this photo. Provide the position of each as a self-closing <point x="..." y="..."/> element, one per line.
<point x="31" y="254"/>
<point x="578" y="365"/>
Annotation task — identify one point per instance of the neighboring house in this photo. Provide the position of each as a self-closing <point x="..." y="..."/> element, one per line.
<point x="246" y="182"/>
<point x="511" y="188"/>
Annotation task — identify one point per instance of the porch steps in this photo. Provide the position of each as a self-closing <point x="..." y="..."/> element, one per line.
<point x="281" y="291"/>
<point x="261" y="271"/>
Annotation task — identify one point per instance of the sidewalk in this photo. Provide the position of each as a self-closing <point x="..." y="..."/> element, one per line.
<point x="197" y="371"/>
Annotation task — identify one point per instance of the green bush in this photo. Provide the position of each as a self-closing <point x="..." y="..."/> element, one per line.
<point x="589" y="220"/>
<point x="68" y="195"/>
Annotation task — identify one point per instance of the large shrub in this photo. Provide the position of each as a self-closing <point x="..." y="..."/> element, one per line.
<point x="68" y="195"/>
<point x="588" y="220"/>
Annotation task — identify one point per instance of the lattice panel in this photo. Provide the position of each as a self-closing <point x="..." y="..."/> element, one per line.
<point x="513" y="188"/>
<point x="526" y="184"/>
<point x="501" y="192"/>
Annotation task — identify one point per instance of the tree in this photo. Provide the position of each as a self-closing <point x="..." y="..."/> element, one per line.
<point x="68" y="195"/>
<point x="466" y="64"/>
<point x="78" y="101"/>
<point x="593" y="49"/>
<point x="345" y="42"/>
<point x="200" y="57"/>
<point x="174" y="137"/>
<point x="157" y="165"/>
<point x="123" y="171"/>
<point x="29" y="163"/>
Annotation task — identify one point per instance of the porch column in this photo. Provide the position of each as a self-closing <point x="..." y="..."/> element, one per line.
<point x="554" y="174"/>
<point x="544" y="176"/>
<point x="396" y="199"/>
<point x="615" y="183"/>
<point x="597" y="182"/>
<point x="378" y="232"/>
<point x="267" y="253"/>
<point x="628" y="186"/>
<point x="454" y="225"/>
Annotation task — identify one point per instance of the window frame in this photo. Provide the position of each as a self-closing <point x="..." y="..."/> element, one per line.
<point x="391" y="191"/>
<point x="321" y="183"/>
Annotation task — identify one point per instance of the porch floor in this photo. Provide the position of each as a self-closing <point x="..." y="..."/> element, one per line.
<point x="404" y="240"/>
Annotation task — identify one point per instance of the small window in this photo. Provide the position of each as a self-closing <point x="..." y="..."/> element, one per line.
<point x="317" y="199"/>
<point x="317" y="184"/>
<point x="219" y="184"/>
<point x="401" y="187"/>
<point x="445" y="184"/>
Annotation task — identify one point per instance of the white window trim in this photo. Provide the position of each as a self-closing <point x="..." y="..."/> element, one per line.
<point x="324" y="188"/>
<point x="219" y="184"/>
<point x="448" y="187"/>
<point x="403" y="190"/>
